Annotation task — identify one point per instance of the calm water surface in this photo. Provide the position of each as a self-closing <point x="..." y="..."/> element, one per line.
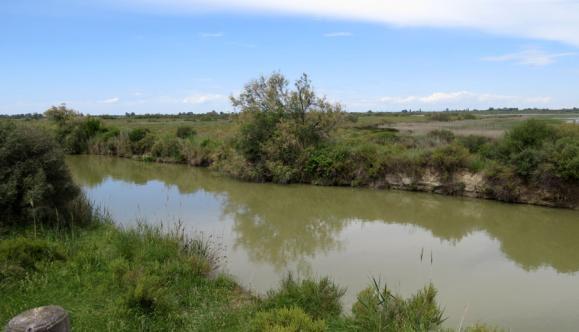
<point x="510" y="265"/>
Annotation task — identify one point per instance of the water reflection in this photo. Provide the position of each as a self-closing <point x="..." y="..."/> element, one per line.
<point x="279" y="225"/>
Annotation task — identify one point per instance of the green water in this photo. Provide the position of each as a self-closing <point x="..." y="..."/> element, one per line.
<point x="514" y="266"/>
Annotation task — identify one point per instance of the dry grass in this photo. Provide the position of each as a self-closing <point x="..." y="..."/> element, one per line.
<point x="491" y="126"/>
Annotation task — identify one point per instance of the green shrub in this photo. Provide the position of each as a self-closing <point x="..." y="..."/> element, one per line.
<point x="328" y="165"/>
<point x="75" y="134"/>
<point x="529" y="134"/>
<point x="35" y="184"/>
<point x="442" y="135"/>
<point x="143" y="145"/>
<point x="138" y="134"/>
<point x="318" y="298"/>
<point x="378" y="309"/>
<point x="285" y="320"/>
<point x="450" y="158"/>
<point x="473" y="143"/>
<point x="565" y="157"/>
<point x="168" y="148"/>
<point x="526" y="161"/>
<point x="185" y="132"/>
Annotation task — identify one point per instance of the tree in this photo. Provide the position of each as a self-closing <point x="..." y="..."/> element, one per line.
<point x="278" y="124"/>
<point x="60" y="114"/>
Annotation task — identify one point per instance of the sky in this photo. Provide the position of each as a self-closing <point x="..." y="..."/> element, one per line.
<point x="170" y="56"/>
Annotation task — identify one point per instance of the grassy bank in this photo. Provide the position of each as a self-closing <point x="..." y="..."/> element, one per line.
<point x="117" y="280"/>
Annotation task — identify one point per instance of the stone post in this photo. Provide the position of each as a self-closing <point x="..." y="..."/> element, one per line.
<point x="43" y="319"/>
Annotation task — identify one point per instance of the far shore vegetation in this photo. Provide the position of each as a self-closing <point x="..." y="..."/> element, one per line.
<point x="285" y="133"/>
<point x="56" y="248"/>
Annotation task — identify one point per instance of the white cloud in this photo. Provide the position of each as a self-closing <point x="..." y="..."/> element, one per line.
<point x="531" y="56"/>
<point x="113" y="100"/>
<point x="337" y="34"/>
<point x="540" y="19"/>
<point x="463" y="98"/>
<point x="211" y="34"/>
<point x="197" y="99"/>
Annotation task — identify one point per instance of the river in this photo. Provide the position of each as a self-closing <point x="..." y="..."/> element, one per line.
<point x="514" y="266"/>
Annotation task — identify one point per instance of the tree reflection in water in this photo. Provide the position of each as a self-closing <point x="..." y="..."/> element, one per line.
<point x="280" y="225"/>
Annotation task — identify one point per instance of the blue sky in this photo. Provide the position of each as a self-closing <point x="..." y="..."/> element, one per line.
<point x="154" y="56"/>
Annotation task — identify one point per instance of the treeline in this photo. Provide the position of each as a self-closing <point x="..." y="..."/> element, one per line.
<point x="30" y="116"/>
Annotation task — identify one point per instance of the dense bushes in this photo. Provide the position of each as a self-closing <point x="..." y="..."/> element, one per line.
<point x="35" y="184"/>
<point x="73" y="130"/>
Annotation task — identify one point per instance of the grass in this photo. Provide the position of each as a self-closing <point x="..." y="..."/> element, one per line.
<point x="151" y="279"/>
<point x="120" y="280"/>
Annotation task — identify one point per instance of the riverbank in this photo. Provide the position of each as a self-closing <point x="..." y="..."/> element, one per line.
<point x="531" y="161"/>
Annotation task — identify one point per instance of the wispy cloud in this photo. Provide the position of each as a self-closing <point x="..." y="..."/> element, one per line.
<point x="241" y="44"/>
<point x="540" y="19"/>
<point x="112" y="100"/>
<point x="197" y="99"/>
<point x="531" y="57"/>
<point x="337" y="34"/>
<point x="463" y="97"/>
<point x="211" y="34"/>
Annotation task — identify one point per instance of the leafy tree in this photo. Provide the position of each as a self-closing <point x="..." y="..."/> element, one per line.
<point x="60" y="114"/>
<point x="279" y="124"/>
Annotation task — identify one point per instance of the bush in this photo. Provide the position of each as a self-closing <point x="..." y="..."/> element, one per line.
<point x="185" y="132"/>
<point x="473" y="143"/>
<point x="526" y="161"/>
<point x="529" y="134"/>
<point x="168" y="148"/>
<point x="380" y="310"/>
<point x="450" y="158"/>
<point x="442" y="135"/>
<point x="138" y="134"/>
<point x="285" y="320"/>
<point x="35" y="183"/>
<point x="329" y="165"/>
<point x="565" y="157"/>
<point x="318" y="298"/>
